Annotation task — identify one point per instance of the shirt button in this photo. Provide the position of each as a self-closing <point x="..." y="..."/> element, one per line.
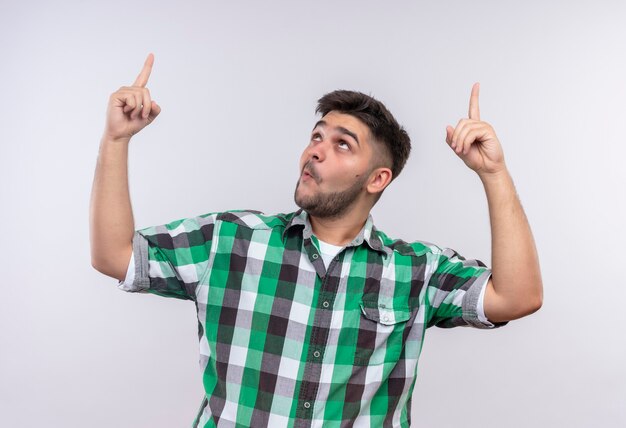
<point x="307" y="404"/>
<point x="337" y="258"/>
<point x="325" y="304"/>
<point x="316" y="354"/>
<point x="315" y="256"/>
<point x="385" y="318"/>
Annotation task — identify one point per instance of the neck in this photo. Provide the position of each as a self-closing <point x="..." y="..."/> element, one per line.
<point x="340" y="230"/>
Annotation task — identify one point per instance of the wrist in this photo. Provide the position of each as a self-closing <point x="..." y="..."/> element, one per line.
<point x="107" y="139"/>
<point x="113" y="148"/>
<point x="494" y="176"/>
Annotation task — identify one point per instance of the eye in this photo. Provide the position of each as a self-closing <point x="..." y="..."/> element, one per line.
<point x="344" y="145"/>
<point x="316" y="136"/>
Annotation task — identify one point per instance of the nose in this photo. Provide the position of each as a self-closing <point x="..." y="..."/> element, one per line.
<point x="317" y="150"/>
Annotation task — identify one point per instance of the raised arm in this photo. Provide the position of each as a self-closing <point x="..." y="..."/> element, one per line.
<point x="515" y="288"/>
<point x="111" y="224"/>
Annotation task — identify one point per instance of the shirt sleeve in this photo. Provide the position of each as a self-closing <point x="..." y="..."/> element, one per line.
<point x="456" y="292"/>
<point x="170" y="260"/>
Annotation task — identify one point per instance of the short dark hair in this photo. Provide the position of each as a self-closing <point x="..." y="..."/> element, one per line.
<point x="378" y="119"/>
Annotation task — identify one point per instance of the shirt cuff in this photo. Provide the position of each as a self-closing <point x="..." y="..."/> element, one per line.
<point x="481" y="305"/>
<point x="473" y="308"/>
<point x="137" y="279"/>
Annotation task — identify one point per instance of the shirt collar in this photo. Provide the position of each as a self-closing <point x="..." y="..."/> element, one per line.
<point x="367" y="233"/>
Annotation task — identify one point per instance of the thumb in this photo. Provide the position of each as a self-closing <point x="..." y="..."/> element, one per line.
<point x="449" y="133"/>
<point x="155" y="109"/>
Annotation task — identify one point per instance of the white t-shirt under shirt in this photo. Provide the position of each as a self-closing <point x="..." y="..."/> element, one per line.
<point x="328" y="252"/>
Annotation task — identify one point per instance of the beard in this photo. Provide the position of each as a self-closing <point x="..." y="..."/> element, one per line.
<point x="330" y="205"/>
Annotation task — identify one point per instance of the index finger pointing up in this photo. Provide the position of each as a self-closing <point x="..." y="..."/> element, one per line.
<point x="474" y="111"/>
<point x="142" y="79"/>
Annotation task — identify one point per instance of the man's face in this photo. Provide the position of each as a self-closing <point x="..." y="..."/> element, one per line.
<point x="335" y="166"/>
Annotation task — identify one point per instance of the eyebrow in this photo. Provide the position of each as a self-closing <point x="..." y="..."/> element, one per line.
<point x="341" y="129"/>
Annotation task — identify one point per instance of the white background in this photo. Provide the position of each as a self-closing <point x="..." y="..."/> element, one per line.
<point x="238" y="83"/>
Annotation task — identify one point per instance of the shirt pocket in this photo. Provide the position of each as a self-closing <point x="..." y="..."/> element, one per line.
<point x="381" y="331"/>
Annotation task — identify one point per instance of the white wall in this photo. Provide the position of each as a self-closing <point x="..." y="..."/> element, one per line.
<point x="238" y="82"/>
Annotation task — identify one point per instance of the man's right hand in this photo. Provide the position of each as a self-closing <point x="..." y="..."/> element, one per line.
<point x="131" y="108"/>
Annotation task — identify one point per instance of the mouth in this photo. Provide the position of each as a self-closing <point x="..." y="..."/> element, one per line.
<point x="306" y="177"/>
<point x="307" y="174"/>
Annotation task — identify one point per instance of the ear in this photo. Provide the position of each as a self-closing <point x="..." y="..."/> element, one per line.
<point x="379" y="179"/>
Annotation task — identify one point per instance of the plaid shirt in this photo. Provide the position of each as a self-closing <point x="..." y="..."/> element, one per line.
<point x="285" y="341"/>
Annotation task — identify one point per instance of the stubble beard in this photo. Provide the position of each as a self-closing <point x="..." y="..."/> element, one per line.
<point x="330" y="205"/>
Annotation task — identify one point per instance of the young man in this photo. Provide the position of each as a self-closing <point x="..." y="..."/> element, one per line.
<point x="315" y="317"/>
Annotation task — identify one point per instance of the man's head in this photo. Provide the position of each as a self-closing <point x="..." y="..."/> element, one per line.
<point x="355" y="151"/>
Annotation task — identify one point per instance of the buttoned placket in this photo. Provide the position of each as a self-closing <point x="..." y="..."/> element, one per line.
<point x="321" y="325"/>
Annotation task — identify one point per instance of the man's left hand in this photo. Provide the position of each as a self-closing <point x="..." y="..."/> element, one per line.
<point x="475" y="141"/>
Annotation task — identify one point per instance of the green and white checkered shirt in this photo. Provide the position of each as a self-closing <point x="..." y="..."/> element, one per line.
<point x="286" y="341"/>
